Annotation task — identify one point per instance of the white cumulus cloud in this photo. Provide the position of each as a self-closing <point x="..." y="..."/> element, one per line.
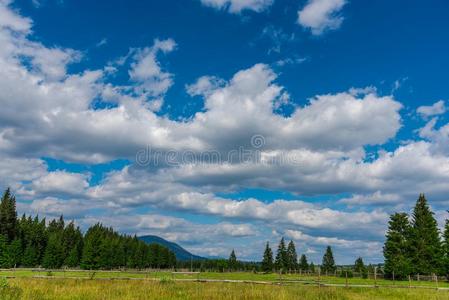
<point x="321" y="15"/>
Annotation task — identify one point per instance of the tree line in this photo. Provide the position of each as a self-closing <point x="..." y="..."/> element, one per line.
<point x="32" y="242"/>
<point x="414" y="244"/>
<point x="286" y="260"/>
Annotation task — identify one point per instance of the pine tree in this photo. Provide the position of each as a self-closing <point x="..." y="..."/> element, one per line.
<point x="72" y="245"/>
<point x="303" y="265"/>
<point x="328" y="264"/>
<point x="30" y="256"/>
<point x="267" y="261"/>
<point x="292" y="257"/>
<point x="396" y="247"/>
<point x="446" y="248"/>
<point x="312" y="267"/>
<point x="53" y="253"/>
<point x="5" y="261"/>
<point x="359" y="266"/>
<point x="15" y="252"/>
<point x="72" y="260"/>
<point x="425" y="243"/>
<point x="232" y="261"/>
<point x="281" y="261"/>
<point x="91" y="250"/>
<point x="8" y="216"/>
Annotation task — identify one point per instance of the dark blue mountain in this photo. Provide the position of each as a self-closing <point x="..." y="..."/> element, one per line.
<point x="181" y="253"/>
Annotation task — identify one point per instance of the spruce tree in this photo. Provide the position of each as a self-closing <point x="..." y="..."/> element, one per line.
<point x="91" y="250"/>
<point x="396" y="248"/>
<point x="53" y="253"/>
<point x="267" y="261"/>
<point x="359" y="266"/>
<point x="5" y="261"/>
<point x="303" y="264"/>
<point x="8" y="216"/>
<point x="425" y="243"/>
<point x="446" y="248"/>
<point x="281" y="261"/>
<point x="72" y="260"/>
<point x="232" y="261"/>
<point x="312" y="267"/>
<point x="328" y="264"/>
<point x="30" y="256"/>
<point x="292" y="257"/>
<point x="15" y="252"/>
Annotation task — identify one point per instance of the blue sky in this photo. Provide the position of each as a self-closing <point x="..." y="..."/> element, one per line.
<point x="348" y="99"/>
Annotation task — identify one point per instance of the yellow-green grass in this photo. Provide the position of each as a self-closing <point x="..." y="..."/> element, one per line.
<point x="33" y="288"/>
<point x="245" y="276"/>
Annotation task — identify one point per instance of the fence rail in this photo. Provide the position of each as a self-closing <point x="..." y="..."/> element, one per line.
<point x="308" y="278"/>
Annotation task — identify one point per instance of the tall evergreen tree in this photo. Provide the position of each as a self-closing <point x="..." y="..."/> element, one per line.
<point x="30" y="256"/>
<point x="5" y="261"/>
<point x="446" y="248"/>
<point x="328" y="264"/>
<point x="312" y="267"/>
<point x="8" y="216"/>
<point x="303" y="264"/>
<point x="425" y="243"/>
<point x="267" y="261"/>
<point x="396" y="247"/>
<point x="91" y="250"/>
<point x="15" y="252"/>
<point x="292" y="257"/>
<point x="232" y="261"/>
<point x="53" y="253"/>
<point x="281" y="261"/>
<point x="359" y="266"/>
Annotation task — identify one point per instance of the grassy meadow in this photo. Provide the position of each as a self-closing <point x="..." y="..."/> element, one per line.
<point x="28" y="284"/>
<point x="38" y="288"/>
<point x="238" y="276"/>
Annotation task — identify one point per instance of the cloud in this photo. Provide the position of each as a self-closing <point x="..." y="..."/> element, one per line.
<point x="237" y="6"/>
<point x="439" y="137"/>
<point x="127" y="189"/>
<point x="61" y="182"/>
<point x="435" y="109"/>
<point x="321" y="15"/>
<point x="53" y="208"/>
<point x="204" y="86"/>
<point x="376" y="198"/>
<point x="11" y="20"/>
<point x="357" y="247"/>
<point x="146" y="70"/>
<point x="51" y="110"/>
<point x="102" y="42"/>
<point x="178" y="229"/>
<point x="290" y="61"/>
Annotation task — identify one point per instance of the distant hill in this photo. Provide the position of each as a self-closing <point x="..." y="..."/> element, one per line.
<point x="181" y="253"/>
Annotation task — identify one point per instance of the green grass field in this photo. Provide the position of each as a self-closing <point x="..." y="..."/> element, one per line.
<point x="34" y="288"/>
<point x="28" y="284"/>
<point x="244" y="276"/>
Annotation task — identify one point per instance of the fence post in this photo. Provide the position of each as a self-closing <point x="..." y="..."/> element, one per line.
<point x="409" y="282"/>
<point x="319" y="278"/>
<point x="346" y="278"/>
<point x="436" y="280"/>
<point x="375" y="276"/>
<point x="418" y="276"/>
